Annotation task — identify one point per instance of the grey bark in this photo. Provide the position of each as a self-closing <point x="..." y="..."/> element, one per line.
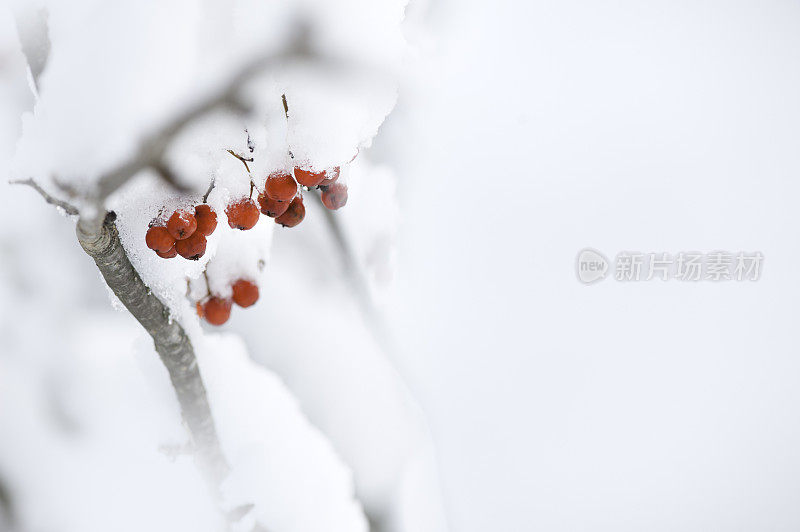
<point x="171" y="342"/>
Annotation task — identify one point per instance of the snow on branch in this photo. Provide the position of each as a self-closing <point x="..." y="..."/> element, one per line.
<point x="171" y="341"/>
<point x="98" y="235"/>
<point x="151" y="149"/>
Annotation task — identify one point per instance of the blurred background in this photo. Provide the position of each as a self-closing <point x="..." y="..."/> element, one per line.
<point x="523" y="133"/>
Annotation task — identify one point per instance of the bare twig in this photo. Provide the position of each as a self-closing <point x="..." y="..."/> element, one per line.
<point x="67" y="207"/>
<point x="244" y="160"/>
<point x="210" y="188"/>
<point x="250" y="146"/>
<point x="171" y="342"/>
<point x="286" y="113"/>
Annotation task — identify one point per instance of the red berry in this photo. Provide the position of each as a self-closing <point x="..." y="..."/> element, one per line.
<point x="242" y="214"/>
<point x="330" y="177"/>
<point x="271" y="207"/>
<point x="294" y="214"/>
<point x="193" y="247"/>
<point x="215" y="310"/>
<point x="158" y="239"/>
<point x="206" y="219"/>
<point x="172" y="252"/>
<point x="245" y="293"/>
<point x="182" y="224"/>
<point x="280" y="186"/>
<point x="335" y="196"/>
<point x="308" y="178"/>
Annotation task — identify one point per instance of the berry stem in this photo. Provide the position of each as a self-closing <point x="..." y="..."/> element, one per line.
<point x="286" y="113"/>
<point x="208" y="285"/>
<point x="244" y="160"/>
<point x="210" y="188"/>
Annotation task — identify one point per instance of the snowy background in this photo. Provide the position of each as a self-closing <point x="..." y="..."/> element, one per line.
<point x="516" y="398"/>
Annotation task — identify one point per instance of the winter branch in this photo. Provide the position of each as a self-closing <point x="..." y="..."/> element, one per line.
<point x="68" y="208"/>
<point x="171" y="342"/>
<point x="151" y="149"/>
<point x="98" y="235"/>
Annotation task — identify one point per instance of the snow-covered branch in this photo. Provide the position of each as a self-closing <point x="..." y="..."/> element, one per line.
<point x="171" y="341"/>
<point x="180" y="133"/>
<point x="151" y="149"/>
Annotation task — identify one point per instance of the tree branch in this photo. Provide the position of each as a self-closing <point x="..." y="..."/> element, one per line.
<point x="171" y="342"/>
<point x="98" y="235"/>
<point x="152" y="148"/>
<point x="67" y="207"/>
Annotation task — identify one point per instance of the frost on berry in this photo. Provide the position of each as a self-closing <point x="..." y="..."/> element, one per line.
<point x="330" y="177"/>
<point x="294" y="214"/>
<point x="270" y="207"/>
<point x="182" y="224"/>
<point x="242" y="214"/>
<point x="308" y="178"/>
<point x="159" y="239"/>
<point x="192" y="248"/>
<point x="206" y="219"/>
<point x="334" y="196"/>
<point x="280" y="186"/>
<point x="245" y="293"/>
<point x="215" y="310"/>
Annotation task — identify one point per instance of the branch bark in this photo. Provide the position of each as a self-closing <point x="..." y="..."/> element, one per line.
<point x="171" y="342"/>
<point x="68" y="208"/>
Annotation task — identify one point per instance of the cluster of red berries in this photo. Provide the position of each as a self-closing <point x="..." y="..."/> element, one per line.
<point x="281" y="201"/>
<point x="216" y="310"/>
<point x="184" y="233"/>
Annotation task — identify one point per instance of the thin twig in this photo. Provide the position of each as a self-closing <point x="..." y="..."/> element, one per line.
<point x="286" y="113"/>
<point x="210" y="188"/>
<point x="67" y="207"/>
<point x="250" y="145"/>
<point x="244" y="160"/>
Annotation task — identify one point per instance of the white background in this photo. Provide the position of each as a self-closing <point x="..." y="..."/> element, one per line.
<point x="651" y="126"/>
